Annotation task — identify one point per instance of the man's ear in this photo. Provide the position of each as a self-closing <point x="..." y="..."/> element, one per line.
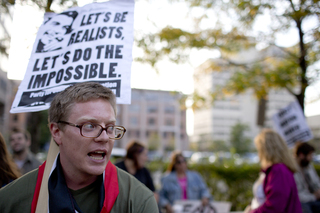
<point x="55" y="132"/>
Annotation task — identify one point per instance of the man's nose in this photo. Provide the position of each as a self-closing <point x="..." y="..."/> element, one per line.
<point x="103" y="136"/>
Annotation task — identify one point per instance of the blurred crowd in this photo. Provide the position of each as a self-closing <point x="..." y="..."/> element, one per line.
<point x="287" y="182"/>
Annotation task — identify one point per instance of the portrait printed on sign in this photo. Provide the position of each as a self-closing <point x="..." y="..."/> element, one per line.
<point x="56" y="30"/>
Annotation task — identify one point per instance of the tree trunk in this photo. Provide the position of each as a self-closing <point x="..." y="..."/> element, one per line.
<point x="303" y="65"/>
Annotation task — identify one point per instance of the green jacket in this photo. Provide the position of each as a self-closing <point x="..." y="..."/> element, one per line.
<point x="133" y="196"/>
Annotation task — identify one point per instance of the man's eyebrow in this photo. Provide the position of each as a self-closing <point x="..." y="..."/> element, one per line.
<point x="94" y="120"/>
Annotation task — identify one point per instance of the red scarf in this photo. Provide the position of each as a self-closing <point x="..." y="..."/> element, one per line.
<point x="110" y="185"/>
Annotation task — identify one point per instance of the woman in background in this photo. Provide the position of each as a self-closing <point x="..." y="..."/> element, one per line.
<point x="8" y="169"/>
<point x="134" y="163"/>
<point x="275" y="190"/>
<point x="181" y="184"/>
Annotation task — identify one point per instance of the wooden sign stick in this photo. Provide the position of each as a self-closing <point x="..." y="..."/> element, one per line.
<point x="42" y="205"/>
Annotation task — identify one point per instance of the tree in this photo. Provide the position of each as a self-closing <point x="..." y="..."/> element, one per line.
<point x="37" y="125"/>
<point x="219" y="145"/>
<point x="294" y="72"/>
<point x="238" y="140"/>
<point x="45" y="5"/>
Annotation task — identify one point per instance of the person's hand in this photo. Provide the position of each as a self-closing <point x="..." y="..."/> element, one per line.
<point x="317" y="194"/>
<point x="205" y="201"/>
<point x="169" y="208"/>
<point x="156" y="196"/>
<point x="247" y="209"/>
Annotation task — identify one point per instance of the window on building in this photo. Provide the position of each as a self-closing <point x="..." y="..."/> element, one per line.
<point x="169" y="122"/>
<point x="181" y="136"/>
<point x="134" y="121"/>
<point x="135" y="95"/>
<point x="152" y="121"/>
<point x="151" y="96"/>
<point x="164" y="134"/>
<point x="152" y="109"/>
<point x="169" y="109"/>
<point x="169" y="98"/>
<point x="134" y="108"/>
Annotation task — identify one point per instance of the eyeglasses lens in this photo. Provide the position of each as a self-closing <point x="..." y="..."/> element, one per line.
<point x="94" y="130"/>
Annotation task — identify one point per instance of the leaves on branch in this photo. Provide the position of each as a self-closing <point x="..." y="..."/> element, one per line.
<point x="289" y="71"/>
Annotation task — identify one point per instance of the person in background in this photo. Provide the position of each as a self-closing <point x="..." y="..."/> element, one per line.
<point x="181" y="184"/>
<point x="82" y="122"/>
<point x="20" y="141"/>
<point x="8" y="169"/>
<point x="307" y="179"/>
<point x="279" y="192"/>
<point x="134" y="163"/>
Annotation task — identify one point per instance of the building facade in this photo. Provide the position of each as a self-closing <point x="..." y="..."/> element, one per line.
<point x="8" y="88"/>
<point x="314" y="125"/>
<point x="156" y="118"/>
<point x="215" y="122"/>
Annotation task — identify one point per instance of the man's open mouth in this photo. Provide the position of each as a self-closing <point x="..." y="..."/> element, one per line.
<point x="97" y="155"/>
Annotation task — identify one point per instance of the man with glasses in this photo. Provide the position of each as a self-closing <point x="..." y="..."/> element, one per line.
<point x="82" y="121"/>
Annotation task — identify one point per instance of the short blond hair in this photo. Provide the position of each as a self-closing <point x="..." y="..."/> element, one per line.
<point x="81" y="92"/>
<point x="273" y="149"/>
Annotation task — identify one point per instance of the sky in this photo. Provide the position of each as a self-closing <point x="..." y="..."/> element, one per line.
<point x="143" y="76"/>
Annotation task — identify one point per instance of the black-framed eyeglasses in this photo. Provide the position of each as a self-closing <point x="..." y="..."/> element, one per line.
<point x="92" y="130"/>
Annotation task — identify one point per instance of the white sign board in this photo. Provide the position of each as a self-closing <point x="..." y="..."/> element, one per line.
<point x="195" y="206"/>
<point x="89" y="43"/>
<point x="291" y="124"/>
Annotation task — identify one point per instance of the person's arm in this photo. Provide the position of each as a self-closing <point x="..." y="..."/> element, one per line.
<point x="203" y="187"/>
<point x="314" y="178"/>
<point x="277" y="191"/>
<point x="163" y="200"/>
<point x="304" y="194"/>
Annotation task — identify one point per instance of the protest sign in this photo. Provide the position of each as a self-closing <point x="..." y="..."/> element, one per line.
<point x="291" y="124"/>
<point x="89" y="43"/>
<point x="195" y="206"/>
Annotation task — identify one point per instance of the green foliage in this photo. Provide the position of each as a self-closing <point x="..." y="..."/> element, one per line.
<point x="44" y="5"/>
<point x="238" y="140"/>
<point x="230" y="183"/>
<point x="290" y="71"/>
<point x="219" y="145"/>
<point x="153" y="141"/>
<point x="209" y="145"/>
<point x="37" y="125"/>
<point x="317" y="168"/>
<point x="226" y="182"/>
